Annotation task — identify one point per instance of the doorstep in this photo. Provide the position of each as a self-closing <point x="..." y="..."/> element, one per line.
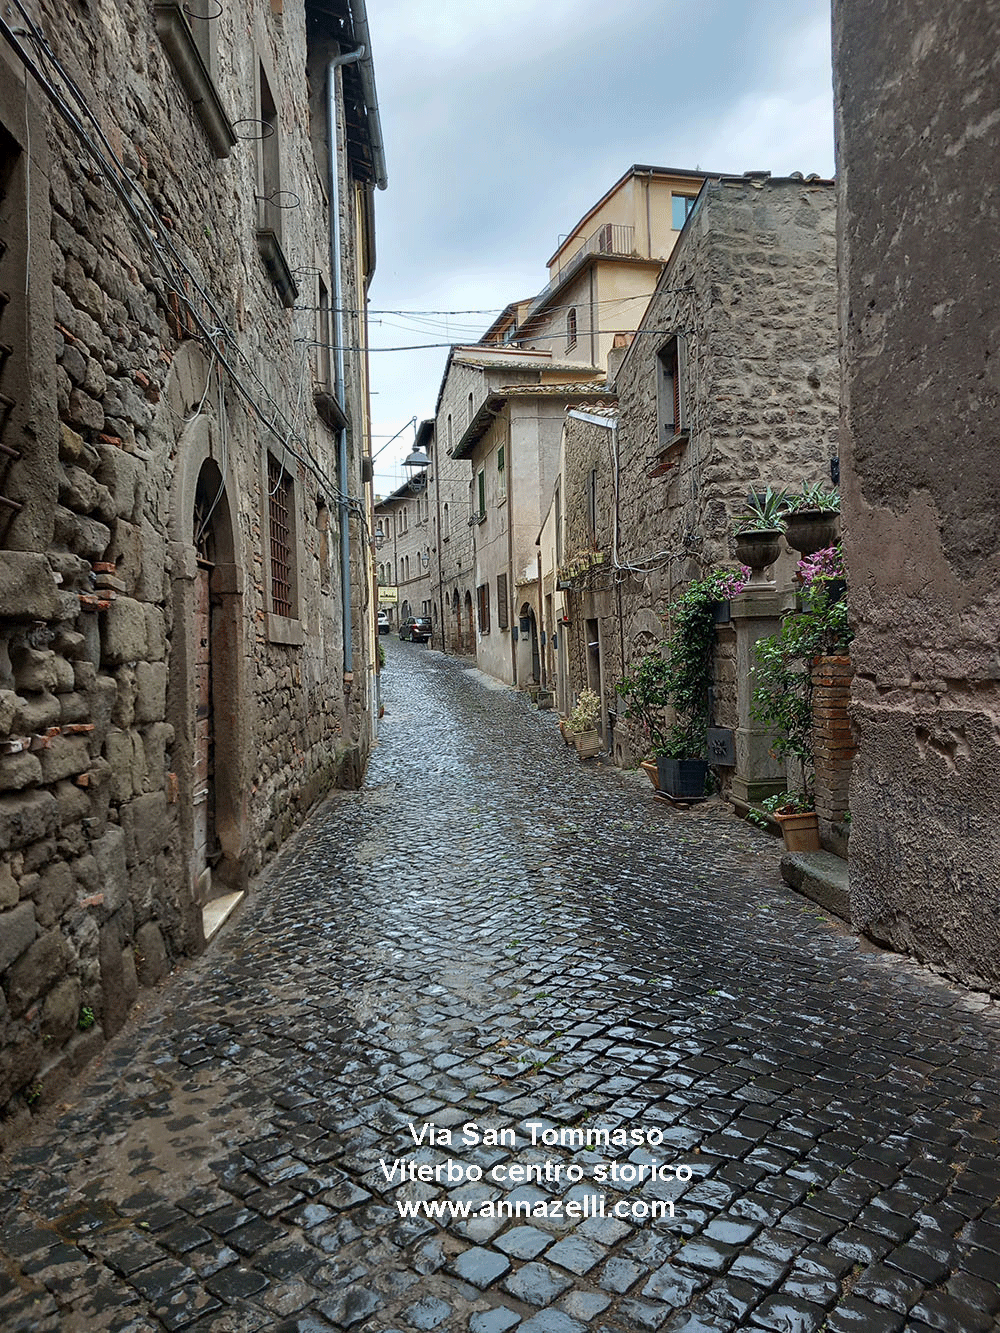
<point x="216" y="913"/>
<point x="821" y="876"/>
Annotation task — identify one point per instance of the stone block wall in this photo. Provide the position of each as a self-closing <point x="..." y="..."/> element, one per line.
<point x="751" y="288"/>
<point x="133" y="385"/>
<point x="916" y="107"/>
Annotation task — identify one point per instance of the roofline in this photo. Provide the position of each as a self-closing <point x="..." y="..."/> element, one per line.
<point x="401" y="492"/>
<point x="498" y="399"/>
<point x="359" y="15"/>
<point x="569" y="274"/>
<point x="635" y="170"/>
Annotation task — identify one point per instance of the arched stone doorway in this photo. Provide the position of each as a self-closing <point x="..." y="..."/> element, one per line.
<point x="206" y="689"/>
<point x="456" y="629"/>
<point x="529" y="662"/>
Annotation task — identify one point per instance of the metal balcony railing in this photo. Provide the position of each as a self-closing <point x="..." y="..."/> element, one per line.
<point x="609" y="239"/>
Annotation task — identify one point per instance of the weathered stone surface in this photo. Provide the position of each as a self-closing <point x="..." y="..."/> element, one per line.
<point x="83" y="536"/>
<point x="821" y="876"/>
<point x="145" y="823"/>
<point x="61" y="1009"/>
<point x="64" y="757"/>
<point x="27" y="588"/>
<point x="26" y="817"/>
<point x="19" y="770"/>
<point x="8" y="711"/>
<point x="8" y="886"/>
<point x="35" y="714"/>
<point x="150" y="954"/>
<point x="109" y="856"/>
<point x="921" y="541"/>
<point x="34" y="670"/>
<point x="151" y="691"/>
<point x="124" y="476"/>
<point x="55" y="891"/>
<point x="38" y="968"/>
<point x="17" y="933"/>
<point x="124" y="636"/>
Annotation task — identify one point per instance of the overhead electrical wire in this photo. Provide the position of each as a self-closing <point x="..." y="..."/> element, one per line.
<point x="170" y="263"/>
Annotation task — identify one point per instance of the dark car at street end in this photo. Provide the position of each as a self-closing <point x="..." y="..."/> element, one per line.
<point x="416" y="628"/>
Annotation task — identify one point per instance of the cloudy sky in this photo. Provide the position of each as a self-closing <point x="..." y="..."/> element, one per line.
<point x="505" y="120"/>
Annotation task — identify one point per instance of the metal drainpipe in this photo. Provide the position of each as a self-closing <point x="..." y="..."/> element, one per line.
<point x="332" y="134"/>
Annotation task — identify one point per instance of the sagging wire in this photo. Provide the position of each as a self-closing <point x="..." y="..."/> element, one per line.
<point x="159" y="245"/>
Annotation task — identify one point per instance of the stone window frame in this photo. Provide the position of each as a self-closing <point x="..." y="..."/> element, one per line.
<point x="271" y="239"/>
<point x="571" y="328"/>
<point x="193" y="54"/>
<point x="483" y="607"/>
<point x="281" y="628"/>
<point x="672" y="392"/>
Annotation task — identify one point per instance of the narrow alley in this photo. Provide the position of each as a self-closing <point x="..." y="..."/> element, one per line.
<point x="492" y="933"/>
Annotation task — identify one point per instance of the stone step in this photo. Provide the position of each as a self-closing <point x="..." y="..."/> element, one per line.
<point x="821" y="876"/>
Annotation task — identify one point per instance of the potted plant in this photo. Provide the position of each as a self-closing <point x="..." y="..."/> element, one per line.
<point x="795" y="813"/>
<point x="582" y="724"/>
<point x="758" y="531"/>
<point x="811" y="518"/>
<point x="679" y="679"/>
<point x="782" y="671"/>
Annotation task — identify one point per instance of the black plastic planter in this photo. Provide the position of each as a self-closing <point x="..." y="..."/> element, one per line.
<point x="682" y="778"/>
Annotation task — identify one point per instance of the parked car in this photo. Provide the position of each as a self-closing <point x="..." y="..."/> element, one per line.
<point x="383" y="622"/>
<point x="416" y="628"/>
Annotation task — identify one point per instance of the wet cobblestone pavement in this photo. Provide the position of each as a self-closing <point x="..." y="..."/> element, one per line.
<point x="491" y="932"/>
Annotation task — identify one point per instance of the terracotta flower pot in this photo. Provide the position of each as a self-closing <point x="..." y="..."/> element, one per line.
<point x="800" y="831"/>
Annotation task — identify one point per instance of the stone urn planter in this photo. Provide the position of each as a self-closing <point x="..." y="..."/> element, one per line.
<point x="800" y="831"/>
<point x="588" y="743"/>
<point x="758" y="549"/>
<point x="811" y="530"/>
<point x="684" y="779"/>
<point x="651" y="771"/>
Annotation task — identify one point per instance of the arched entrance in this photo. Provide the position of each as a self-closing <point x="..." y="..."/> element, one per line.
<point x="211" y="753"/>
<point x="529" y="662"/>
<point x="456" y="629"/>
<point x="216" y="797"/>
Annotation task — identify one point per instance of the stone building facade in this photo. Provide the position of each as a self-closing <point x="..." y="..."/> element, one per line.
<point x="916" y="112"/>
<point x="403" y="536"/>
<point x="185" y="631"/>
<point x="471" y="375"/>
<point x="729" y="386"/>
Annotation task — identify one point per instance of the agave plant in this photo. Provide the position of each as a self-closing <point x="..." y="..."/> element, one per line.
<point x="765" y="512"/>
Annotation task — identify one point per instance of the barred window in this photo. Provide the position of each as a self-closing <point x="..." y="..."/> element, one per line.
<point x="279" y="492"/>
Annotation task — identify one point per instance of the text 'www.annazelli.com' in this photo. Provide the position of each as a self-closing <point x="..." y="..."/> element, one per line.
<point x="592" y="1205"/>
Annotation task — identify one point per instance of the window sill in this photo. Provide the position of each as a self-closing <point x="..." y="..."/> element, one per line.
<point x="501" y="501"/>
<point x="174" y="32"/>
<point x="277" y="266"/>
<point x="280" y="629"/>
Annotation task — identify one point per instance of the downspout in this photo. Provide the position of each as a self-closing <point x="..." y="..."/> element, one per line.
<point x="340" y="387"/>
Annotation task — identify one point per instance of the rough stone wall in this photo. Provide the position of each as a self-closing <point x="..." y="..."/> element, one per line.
<point x="752" y="287"/>
<point x="917" y="107"/>
<point x="119" y="403"/>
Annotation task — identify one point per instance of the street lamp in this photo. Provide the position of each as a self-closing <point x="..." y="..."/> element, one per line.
<point x="379" y="536"/>
<point x="413" y="463"/>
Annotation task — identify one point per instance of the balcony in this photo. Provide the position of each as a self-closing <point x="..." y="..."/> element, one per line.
<point x="609" y="239"/>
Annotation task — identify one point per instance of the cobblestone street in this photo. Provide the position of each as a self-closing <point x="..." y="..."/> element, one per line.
<point x="492" y="932"/>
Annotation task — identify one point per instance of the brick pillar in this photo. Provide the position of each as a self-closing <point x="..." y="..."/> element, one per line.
<point x="833" y="746"/>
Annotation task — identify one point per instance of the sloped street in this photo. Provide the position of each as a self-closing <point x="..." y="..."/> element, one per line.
<point x="493" y="934"/>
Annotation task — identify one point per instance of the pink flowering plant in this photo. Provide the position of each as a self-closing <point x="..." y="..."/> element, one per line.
<point x="825" y="564"/>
